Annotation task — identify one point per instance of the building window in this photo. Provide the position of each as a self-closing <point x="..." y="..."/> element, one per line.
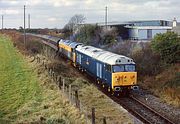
<point x="149" y="33"/>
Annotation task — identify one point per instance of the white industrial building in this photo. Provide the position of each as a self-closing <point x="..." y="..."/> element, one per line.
<point x="141" y="30"/>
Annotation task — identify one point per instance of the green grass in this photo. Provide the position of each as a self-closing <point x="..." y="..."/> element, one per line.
<point x="18" y="84"/>
<point x="27" y="93"/>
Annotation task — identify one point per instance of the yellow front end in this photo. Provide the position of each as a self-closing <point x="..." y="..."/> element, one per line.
<point x="65" y="47"/>
<point x="122" y="79"/>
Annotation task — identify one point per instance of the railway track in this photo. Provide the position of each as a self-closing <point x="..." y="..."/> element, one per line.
<point x="143" y="112"/>
<point x="132" y="104"/>
<point x="137" y="108"/>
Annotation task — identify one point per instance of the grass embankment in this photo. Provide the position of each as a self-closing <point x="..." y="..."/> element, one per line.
<point x="90" y="96"/>
<point x="26" y="97"/>
<point x="17" y="83"/>
<point x="166" y="85"/>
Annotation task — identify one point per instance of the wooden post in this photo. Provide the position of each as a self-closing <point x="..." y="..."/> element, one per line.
<point x="104" y="120"/>
<point x="60" y="79"/>
<point x="53" y="74"/>
<point x="70" y="92"/>
<point x="60" y="82"/>
<point x="37" y="58"/>
<point x="45" y="66"/>
<point x="76" y="99"/>
<point x="43" y="62"/>
<point x="49" y="71"/>
<point x="79" y="104"/>
<point x="63" y="85"/>
<point x="57" y="80"/>
<point x="93" y="115"/>
<point x="86" y="115"/>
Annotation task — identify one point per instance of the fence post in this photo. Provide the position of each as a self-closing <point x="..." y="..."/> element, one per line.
<point x="93" y="115"/>
<point x="53" y="74"/>
<point x="70" y="93"/>
<point x="45" y="66"/>
<point x="57" y="80"/>
<point x="86" y="116"/>
<point x="37" y="58"/>
<point x="50" y="71"/>
<point x="76" y="99"/>
<point x="60" y="82"/>
<point x="63" y="85"/>
<point x="104" y="120"/>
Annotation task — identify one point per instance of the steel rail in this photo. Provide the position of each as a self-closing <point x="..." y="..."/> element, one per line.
<point x="155" y="112"/>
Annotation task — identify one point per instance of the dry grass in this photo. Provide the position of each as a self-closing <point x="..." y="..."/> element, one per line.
<point x="89" y="96"/>
<point x="27" y="93"/>
<point x="105" y="107"/>
<point x="166" y="85"/>
<point x="54" y="107"/>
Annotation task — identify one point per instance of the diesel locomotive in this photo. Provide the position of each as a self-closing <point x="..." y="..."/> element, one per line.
<point x="113" y="71"/>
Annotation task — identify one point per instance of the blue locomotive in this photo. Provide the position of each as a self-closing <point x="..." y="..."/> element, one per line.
<point x="116" y="72"/>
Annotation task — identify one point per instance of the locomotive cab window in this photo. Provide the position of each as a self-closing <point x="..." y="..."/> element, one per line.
<point x="118" y="68"/>
<point x="130" y="68"/>
<point x="123" y="68"/>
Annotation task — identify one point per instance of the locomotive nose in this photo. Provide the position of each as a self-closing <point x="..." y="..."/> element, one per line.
<point x="124" y="78"/>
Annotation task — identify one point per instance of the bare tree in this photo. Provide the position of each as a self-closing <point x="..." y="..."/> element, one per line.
<point x="74" y="21"/>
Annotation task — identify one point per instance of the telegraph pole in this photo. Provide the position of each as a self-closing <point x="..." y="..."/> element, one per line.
<point x="24" y="26"/>
<point x="29" y="21"/>
<point x="106" y="16"/>
<point x="2" y="22"/>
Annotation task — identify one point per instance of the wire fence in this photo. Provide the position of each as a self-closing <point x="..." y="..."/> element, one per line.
<point x="69" y="92"/>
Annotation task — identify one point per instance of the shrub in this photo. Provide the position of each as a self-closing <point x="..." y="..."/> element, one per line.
<point x="147" y="62"/>
<point x="86" y="34"/>
<point x="168" y="46"/>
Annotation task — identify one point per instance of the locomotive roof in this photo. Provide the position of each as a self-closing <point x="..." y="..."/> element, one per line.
<point x="104" y="56"/>
<point x="113" y="59"/>
<point x="70" y="43"/>
<point x="88" y="50"/>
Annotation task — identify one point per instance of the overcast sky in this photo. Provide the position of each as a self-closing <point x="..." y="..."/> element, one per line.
<point x="56" y="13"/>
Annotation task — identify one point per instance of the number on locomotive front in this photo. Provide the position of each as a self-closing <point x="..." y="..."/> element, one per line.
<point x="124" y="76"/>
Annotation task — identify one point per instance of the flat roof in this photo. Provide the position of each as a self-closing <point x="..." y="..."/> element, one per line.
<point x="150" y="27"/>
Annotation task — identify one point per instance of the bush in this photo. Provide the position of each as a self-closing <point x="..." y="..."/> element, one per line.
<point x="87" y="34"/>
<point x="168" y="46"/>
<point x="107" y="39"/>
<point x="122" y="48"/>
<point x="147" y="62"/>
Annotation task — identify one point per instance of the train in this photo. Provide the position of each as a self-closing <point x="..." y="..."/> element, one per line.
<point x="115" y="72"/>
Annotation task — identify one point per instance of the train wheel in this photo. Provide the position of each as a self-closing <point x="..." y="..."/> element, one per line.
<point x="109" y="89"/>
<point x="98" y="82"/>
